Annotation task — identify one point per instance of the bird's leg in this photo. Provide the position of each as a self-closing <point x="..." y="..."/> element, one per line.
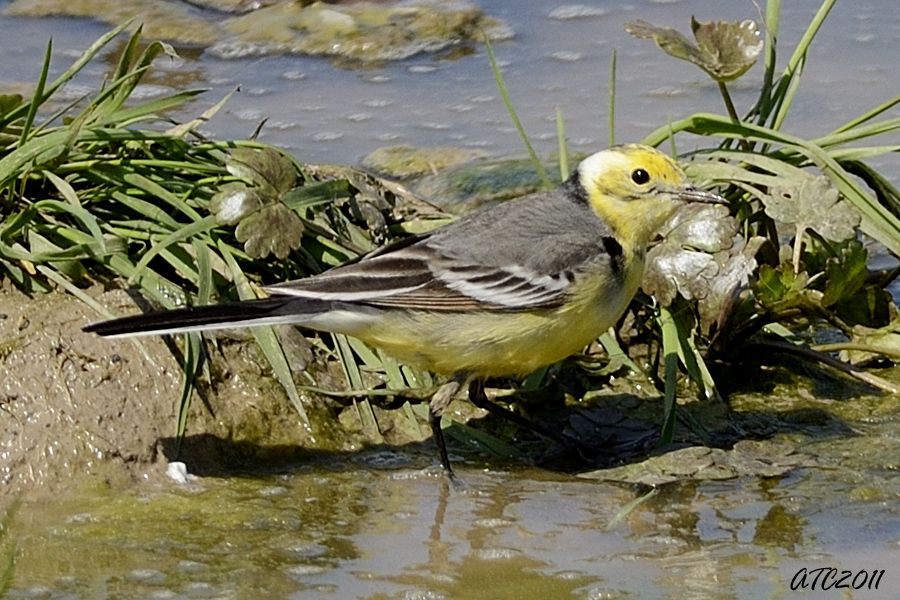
<point x="436" y="407"/>
<point x="480" y="399"/>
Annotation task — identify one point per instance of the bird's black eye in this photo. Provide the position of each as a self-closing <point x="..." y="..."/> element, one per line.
<point x="640" y="176"/>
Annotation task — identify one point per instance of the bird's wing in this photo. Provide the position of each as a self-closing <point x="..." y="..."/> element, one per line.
<point x="520" y="255"/>
<point x="421" y="276"/>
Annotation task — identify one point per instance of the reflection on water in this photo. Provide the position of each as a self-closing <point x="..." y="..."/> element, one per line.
<point x="330" y="533"/>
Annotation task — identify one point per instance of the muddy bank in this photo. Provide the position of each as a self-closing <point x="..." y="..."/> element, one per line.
<point x="80" y="409"/>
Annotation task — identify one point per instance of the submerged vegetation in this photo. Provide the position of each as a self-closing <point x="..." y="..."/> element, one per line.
<point x="352" y="33"/>
<point x="7" y="545"/>
<point x="108" y="190"/>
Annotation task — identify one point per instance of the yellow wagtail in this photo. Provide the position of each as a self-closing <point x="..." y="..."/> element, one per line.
<point x="501" y="291"/>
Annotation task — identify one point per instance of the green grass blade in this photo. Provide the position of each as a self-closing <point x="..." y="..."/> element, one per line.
<point x="193" y="355"/>
<point x="38" y="98"/>
<point x="772" y="24"/>
<point x="204" y="270"/>
<point x="563" y="147"/>
<point x="670" y="346"/>
<point x="795" y="64"/>
<point x="786" y="94"/>
<point x="692" y="359"/>
<point x="69" y="287"/>
<point x="475" y="437"/>
<point x="267" y="339"/>
<point x="611" y="100"/>
<point x="128" y="75"/>
<point x="64" y="188"/>
<point x="861" y="132"/>
<point x="877" y="220"/>
<point x="180" y="131"/>
<point x="308" y="196"/>
<point x="630" y="508"/>
<point x="14" y="223"/>
<point x="392" y="371"/>
<point x="154" y="285"/>
<point x="615" y="352"/>
<point x="868" y="115"/>
<point x="86" y="218"/>
<point x="345" y="351"/>
<point x="76" y="67"/>
<point x="513" y="115"/>
<point x="153" y="213"/>
<point x="36" y="151"/>
<point x="348" y="361"/>
<point x="154" y="189"/>
<point x="197" y="227"/>
<point x="127" y="117"/>
<point x="369" y="357"/>
<point x="123" y="66"/>
<point x="181" y="262"/>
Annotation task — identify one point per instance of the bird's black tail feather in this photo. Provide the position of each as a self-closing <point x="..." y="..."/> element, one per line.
<point x="265" y="311"/>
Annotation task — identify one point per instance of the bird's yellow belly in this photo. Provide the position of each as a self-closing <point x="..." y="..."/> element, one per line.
<point x="493" y="343"/>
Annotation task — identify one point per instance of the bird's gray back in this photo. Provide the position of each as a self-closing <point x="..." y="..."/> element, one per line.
<point x="546" y="233"/>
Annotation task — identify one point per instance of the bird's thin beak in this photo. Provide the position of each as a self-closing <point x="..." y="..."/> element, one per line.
<point x="691" y="194"/>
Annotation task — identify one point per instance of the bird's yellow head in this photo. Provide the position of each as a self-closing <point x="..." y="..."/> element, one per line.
<point x="635" y="188"/>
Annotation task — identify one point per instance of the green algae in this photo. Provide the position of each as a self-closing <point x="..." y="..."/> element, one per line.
<point x="747" y="458"/>
<point x="160" y="19"/>
<point x="363" y="32"/>
<point x="481" y="182"/>
<point x="403" y="162"/>
<point x="358" y="33"/>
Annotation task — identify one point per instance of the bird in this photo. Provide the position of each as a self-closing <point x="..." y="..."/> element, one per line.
<point x="501" y="291"/>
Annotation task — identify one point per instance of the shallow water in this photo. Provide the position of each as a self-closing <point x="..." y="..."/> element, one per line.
<point x="326" y="114"/>
<point x="333" y="531"/>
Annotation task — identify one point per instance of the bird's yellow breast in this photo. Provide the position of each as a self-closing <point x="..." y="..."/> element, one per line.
<point x="486" y="343"/>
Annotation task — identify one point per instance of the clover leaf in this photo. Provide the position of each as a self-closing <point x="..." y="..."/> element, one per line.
<point x="273" y="229"/>
<point x="724" y="49"/>
<point x="846" y="273"/>
<point x="812" y="202"/>
<point x="264" y="167"/>
<point x="790" y="195"/>
<point x="233" y="202"/>
<point x="683" y="263"/>
<point x="736" y="265"/>
<point x="780" y="287"/>
<point x="265" y="225"/>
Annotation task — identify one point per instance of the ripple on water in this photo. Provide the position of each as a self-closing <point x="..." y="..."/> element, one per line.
<point x="293" y="75"/>
<point x="327" y="136"/>
<point x="566" y="56"/>
<point x="359" y="117"/>
<point x="301" y="572"/>
<point x="496" y="553"/>
<point x="146" y="576"/>
<point x="422" y="69"/>
<point x="568" y="12"/>
<point x="191" y="566"/>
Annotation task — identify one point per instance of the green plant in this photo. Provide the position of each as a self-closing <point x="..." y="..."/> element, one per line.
<point x="816" y="192"/>
<point x="111" y="190"/>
